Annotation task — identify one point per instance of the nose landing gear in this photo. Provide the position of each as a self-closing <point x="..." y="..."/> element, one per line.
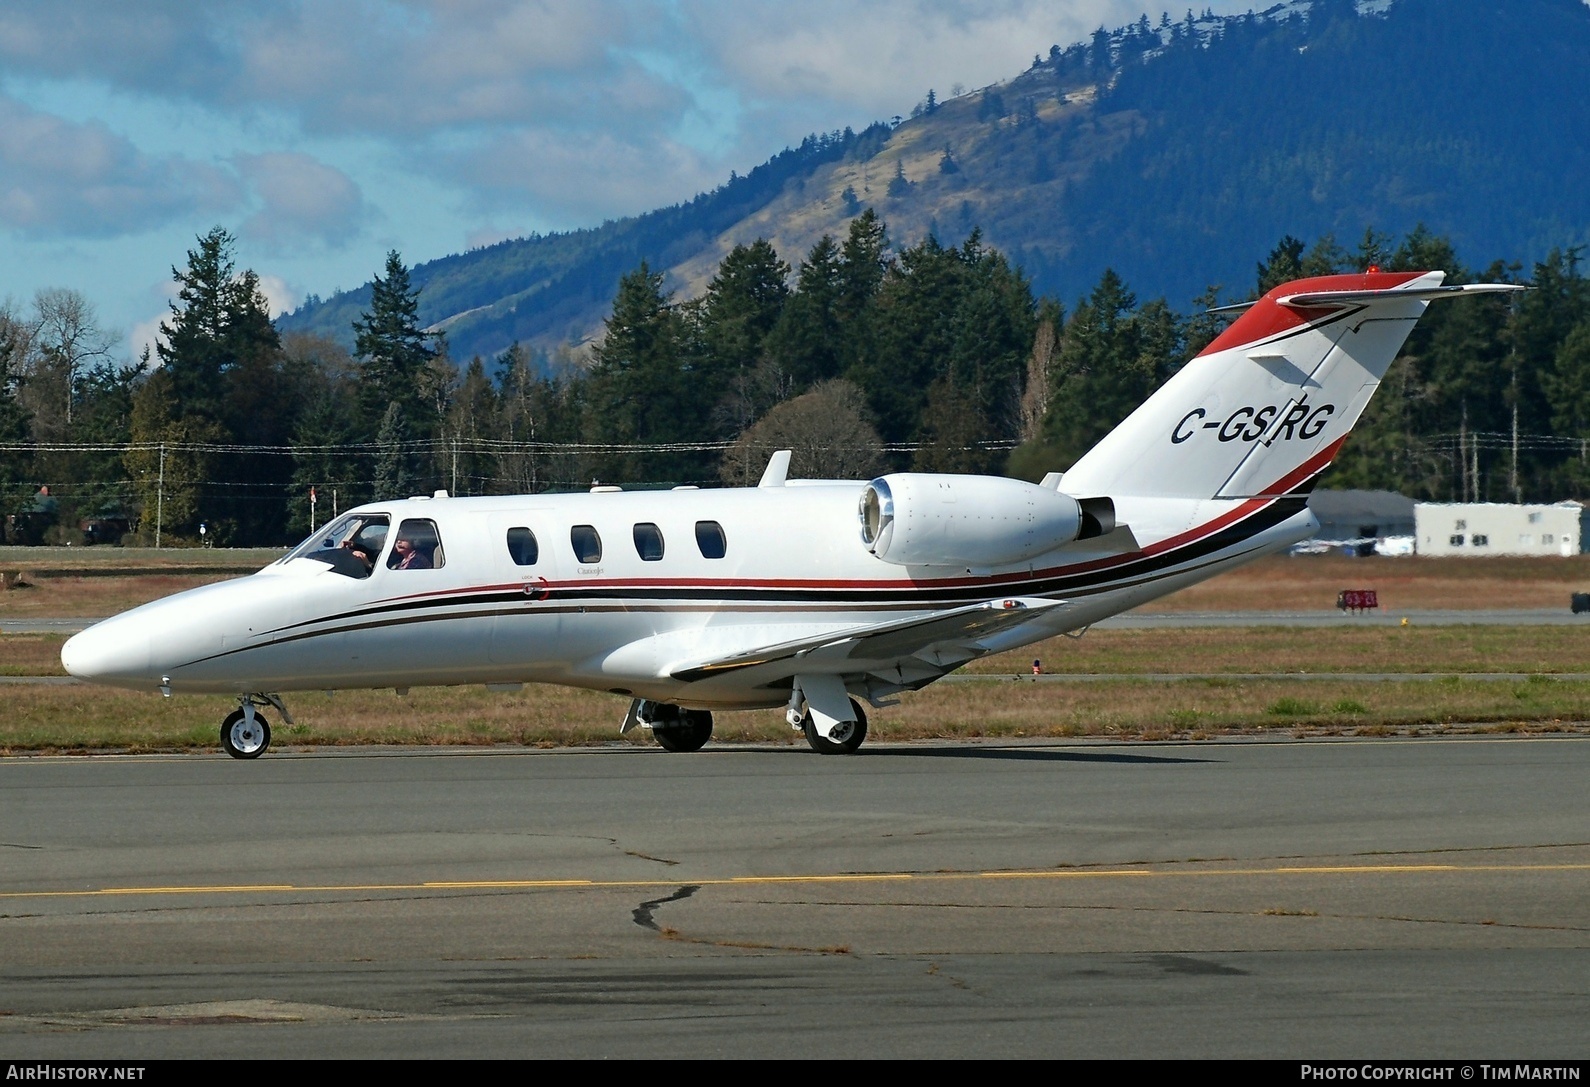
<point x="245" y="734"/>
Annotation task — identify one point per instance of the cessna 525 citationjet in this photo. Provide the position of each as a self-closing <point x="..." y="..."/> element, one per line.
<point x="813" y="595"/>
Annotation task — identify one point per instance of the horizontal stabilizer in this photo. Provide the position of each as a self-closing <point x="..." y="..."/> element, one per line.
<point x="1323" y="299"/>
<point x="893" y="640"/>
<point x="1265" y="407"/>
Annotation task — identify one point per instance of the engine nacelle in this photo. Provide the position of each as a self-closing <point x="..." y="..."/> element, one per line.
<point x="916" y="519"/>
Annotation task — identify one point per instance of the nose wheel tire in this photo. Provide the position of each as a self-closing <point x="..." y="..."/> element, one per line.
<point x="242" y="740"/>
<point x="847" y="737"/>
<point x="690" y="733"/>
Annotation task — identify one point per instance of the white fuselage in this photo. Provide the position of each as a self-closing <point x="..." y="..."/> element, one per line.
<point x="793" y="567"/>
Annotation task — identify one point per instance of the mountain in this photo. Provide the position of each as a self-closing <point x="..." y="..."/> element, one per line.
<point x="1176" y="153"/>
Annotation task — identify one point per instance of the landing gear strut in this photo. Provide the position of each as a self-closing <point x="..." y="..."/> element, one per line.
<point x="245" y="734"/>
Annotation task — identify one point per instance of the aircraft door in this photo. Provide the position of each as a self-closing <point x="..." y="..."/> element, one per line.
<point x="526" y="621"/>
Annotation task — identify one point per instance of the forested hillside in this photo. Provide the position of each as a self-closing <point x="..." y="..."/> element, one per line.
<point x="1171" y="150"/>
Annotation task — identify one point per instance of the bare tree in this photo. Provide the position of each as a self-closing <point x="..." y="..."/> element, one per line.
<point x="67" y="339"/>
<point x="1035" y="399"/>
<point x="827" y="430"/>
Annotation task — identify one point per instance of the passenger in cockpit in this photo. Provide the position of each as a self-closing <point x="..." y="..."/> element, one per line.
<point x="405" y="556"/>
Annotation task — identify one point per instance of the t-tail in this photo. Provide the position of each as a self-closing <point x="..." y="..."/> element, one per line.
<point x="1263" y="410"/>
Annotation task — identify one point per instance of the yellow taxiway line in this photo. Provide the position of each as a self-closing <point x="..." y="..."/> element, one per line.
<point x="814" y="878"/>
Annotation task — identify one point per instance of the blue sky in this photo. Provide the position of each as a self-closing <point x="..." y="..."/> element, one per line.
<point x="323" y="134"/>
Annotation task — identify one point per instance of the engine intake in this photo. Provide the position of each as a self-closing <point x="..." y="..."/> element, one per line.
<point x="917" y="519"/>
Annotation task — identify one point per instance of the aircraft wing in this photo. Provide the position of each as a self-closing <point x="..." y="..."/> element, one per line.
<point x="942" y="638"/>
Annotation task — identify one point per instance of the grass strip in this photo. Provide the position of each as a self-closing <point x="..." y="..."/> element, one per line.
<point x="80" y="719"/>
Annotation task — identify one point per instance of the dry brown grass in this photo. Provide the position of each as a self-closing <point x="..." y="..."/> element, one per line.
<point x="242" y="559"/>
<point x="31" y="655"/>
<point x="1310" y="583"/>
<point x="92" y="597"/>
<point x="82" y="718"/>
<point x="1347" y="648"/>
<point x="90" y="719"/>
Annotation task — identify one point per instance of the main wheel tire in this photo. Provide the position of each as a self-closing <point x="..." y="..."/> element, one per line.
<point x="850" y="735"/>
<point x="242" y="742"/>
<point x="690" y="733"/>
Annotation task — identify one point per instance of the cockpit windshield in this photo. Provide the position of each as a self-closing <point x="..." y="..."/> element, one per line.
<point x="349" y="545"/>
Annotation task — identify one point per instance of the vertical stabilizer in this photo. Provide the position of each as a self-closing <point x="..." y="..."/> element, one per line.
<point x="1265" y="407"/>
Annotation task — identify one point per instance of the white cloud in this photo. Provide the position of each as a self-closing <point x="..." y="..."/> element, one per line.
<point x="280" y="296"/>
<point x="63" y="178"/>
<point x="302" y="202"/>
<point x="145" y="335"/>
<point x="557" y="109"/>
<point x="482" y="237"/>
<point x="583" y="177"/>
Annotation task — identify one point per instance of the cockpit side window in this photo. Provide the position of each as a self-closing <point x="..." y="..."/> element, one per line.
<point x="418" y="546"/>
<point x="349" y="545"/>
<point x="522" y="547"/>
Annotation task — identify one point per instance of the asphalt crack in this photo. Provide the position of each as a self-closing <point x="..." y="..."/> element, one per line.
<point x="643" y="913"/>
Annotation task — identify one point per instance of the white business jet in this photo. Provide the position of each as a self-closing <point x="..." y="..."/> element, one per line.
<point x="813" y="595"/>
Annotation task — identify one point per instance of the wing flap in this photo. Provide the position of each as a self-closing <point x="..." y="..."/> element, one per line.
<point x="936" y="637"/>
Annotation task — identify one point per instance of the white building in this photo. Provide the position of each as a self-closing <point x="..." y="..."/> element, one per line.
<point x="1497" y="528"/>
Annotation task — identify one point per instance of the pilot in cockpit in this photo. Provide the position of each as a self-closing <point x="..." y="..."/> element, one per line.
<point x="349" y="546"/>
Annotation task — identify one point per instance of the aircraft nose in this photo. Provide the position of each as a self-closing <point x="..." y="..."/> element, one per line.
<point x="109" y="652"/>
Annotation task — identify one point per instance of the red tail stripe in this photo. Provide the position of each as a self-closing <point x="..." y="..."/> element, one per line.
<point x="1267" y="318"/>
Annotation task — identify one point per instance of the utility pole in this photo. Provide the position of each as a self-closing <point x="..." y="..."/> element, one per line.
<point x="160" y="496"/>
<point x="1512" y="480"/>
<point x="1463" y="454"/>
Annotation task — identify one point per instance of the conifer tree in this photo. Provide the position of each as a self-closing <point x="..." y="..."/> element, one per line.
<point x="806" y="341"/>
<point x="394" y="473"/>
<point x="222" y="356"/>
<point x="194" y="345"/>
<point x="741" y="305"/>
<point x="394" y="354"/>
<point x="639" y="383"/>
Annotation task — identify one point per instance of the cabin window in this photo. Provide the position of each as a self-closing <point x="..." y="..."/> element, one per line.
<point x="648" y="542"/>
<point x="710" y="538"/>
<point x="1455" y="541"/>
<point x="348" y="545"/>
<point x="522" y="547"/>
<point x="1481" y="540"/>
<point x="418" y="546"/>
<point x="587" y="544"/>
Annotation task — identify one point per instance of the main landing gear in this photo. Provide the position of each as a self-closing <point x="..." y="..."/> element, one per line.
<point x="844" y="740"/>
<point x="245" y="734"/>
<point x="673" y="727"/>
